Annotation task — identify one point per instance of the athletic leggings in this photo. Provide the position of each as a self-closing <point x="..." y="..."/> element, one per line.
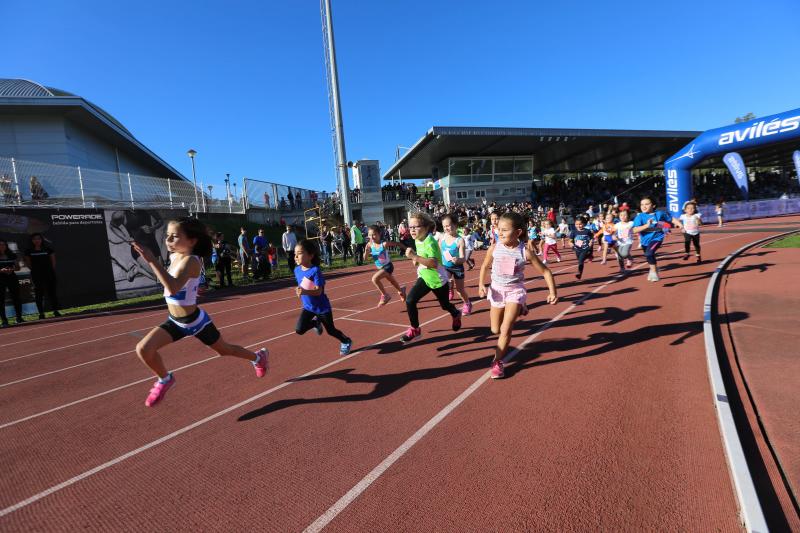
<point x="223" y="270"/>
<point x="306" y="321"/>
<point x="45" y="284"/>
<point x="547" y="248"/>
<point x="650" y="252"/>
<point x="693" y="239"/>
<point x="582" y="254"/>
<point x="418" y="291"/>
<point x="623" y="253"/>
<point x="11" y="282"/>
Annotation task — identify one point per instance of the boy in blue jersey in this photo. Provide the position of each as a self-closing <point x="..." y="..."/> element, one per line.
<point x="651" y="224"/>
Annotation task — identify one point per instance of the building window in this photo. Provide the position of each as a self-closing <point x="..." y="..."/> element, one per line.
<point x="461" y="195"/>
<point x="480" y="193"/>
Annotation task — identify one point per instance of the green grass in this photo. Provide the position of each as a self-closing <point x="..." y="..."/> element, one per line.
<point x="236" y="274"/>
<point x="792" y="241"/>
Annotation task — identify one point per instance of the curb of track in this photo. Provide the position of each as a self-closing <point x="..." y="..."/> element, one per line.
<point x="752" y="514"/>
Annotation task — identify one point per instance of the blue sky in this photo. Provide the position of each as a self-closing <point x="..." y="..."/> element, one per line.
<point x="243" y="82"/>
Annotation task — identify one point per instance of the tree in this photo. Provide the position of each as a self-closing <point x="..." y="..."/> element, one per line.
<point x="747" y="118"/>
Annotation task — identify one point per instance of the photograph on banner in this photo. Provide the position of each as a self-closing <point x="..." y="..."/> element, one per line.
<point x="132" y="275"/>
<point x="78" y="239"/>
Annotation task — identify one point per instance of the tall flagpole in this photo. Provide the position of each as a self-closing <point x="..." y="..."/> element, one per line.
<point x="336" y="112"/>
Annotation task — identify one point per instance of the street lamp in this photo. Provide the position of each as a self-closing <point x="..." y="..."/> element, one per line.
<point x="234" y="191"/>
<point x="228" y="190"/>
<point x="210" y="197"/>
<point x="191" y="153"/>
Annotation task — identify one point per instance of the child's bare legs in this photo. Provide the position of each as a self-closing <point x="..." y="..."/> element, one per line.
<point x="394" y="283"/>
<point x="460" y="290"/>
<point x="234" y="350"/>
<point x="605" y="251"/>
<point x="147" y="350"/>
<point x="376" y="280"/>
<point x="509" y="316"/>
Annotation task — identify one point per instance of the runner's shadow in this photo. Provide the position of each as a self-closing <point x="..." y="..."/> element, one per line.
<point x="762" y="267"/>
<point x="608" y="341"/>
<point x="384" y="385"/>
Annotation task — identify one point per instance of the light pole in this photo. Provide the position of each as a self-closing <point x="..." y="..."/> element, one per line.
<point x="191" y="153"/>
<point x="210" y="197"/>
<point x="234" y="190"/>
<point x="228" y="190"/>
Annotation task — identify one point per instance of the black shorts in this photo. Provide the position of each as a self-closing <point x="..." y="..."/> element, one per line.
<point x="198" y="324"/>
<point x="457" y="271"/>
<point x="388" y="267"/>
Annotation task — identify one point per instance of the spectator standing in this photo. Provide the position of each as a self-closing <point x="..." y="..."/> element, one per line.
<point x="41" y="260"/>
<point x="357" y="238"/>
<point x="224" y="259"/>
<point x="298" y="200"/>
<point x="288" y="243"/>
<point x="8" y="280"/>
<point x="345" y="235"/>
<point x="38" y="194"/>
<point x="327" y="245"/>
<point x="291" y="203"/>
<point x="260" y="254"/>
<point x="244" y="251"/>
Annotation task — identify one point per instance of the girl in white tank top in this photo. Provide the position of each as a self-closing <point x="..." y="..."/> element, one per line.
<point x="188" y="241"/>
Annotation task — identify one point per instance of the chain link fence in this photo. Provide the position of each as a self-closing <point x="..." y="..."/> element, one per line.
<point x="284" y="198"/>
<point x="35" y="184"/>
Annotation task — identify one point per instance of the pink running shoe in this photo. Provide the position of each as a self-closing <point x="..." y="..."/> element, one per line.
<point x="262" y="365"/>
<point x="467" y="308"/>
<point x="497" y="370"/>
<point x="452" y="294"/>
<point x="410" y="335"/>
<point x="384" y="299"/>
<point x="158" y="391"/>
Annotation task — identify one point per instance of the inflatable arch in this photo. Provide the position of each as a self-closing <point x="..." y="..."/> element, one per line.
<point x="760" y="132"/>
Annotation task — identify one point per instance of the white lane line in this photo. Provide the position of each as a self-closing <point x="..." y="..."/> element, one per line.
<point x="207" y="306"/>
<point x="376" y="322"/>
<point x="343" y="502"/>
<point x="55" y="488"/>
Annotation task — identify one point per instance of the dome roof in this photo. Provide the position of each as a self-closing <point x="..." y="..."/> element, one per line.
<point x="20" y="88"/>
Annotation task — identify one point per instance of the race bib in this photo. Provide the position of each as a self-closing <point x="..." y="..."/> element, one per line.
<point x="447" y="257"/>
<point x="383" y="258"/>
<point x="307" y="284"/>
<point x="505" y="265"/>
<point x="580" y="243"/>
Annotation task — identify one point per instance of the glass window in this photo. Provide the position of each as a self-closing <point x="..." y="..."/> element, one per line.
<point x="523" y="166"/>
<point x="481" y="166"/>
<point x="480" y="193"/>
<point x="482" y="178"/>
<point x="504" y="177"/>
<point x="459" y="167"/>
<point x="460" y="179"/>
<point x="461" y="195"/>
<point x="504" y="166"/>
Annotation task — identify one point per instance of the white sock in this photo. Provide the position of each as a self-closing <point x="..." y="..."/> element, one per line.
<point x="166" y="379"/>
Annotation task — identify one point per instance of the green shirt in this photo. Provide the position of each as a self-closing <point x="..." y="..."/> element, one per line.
<point x="433" y="277"/>
<point x="357" y="237"/>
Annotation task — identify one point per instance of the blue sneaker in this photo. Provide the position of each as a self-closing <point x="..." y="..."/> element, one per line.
<point x="344" y="349"/>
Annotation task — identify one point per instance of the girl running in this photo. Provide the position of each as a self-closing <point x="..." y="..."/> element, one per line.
<point x="453" y="259"/>
<point x="380" y="254"/>
<point x="507" y="294"/>
<point x="533" y="236"/>
<point x="493" y="218"/>
<point x="563" y="232"/>
<point x="317" y="312"/>
<point x="582" y="239"/>
<point x="606" y="233"/>
<point x="623" y="237"/>
<point x="550" y="241"/>
<point x="691" y="229"/>
<point x="432" y="276"/>
<point x="650" y="224"/>
<point x="469" y="245"/>
<point x="188" y="243"/>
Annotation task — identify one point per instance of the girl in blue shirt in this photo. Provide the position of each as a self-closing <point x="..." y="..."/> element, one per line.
<point x="317" y="312"/>
<point x="650" y="224"/>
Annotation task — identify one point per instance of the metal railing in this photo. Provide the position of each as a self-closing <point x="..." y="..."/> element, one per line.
<point x="283" y="198"/>
<point x="36" y="184"/>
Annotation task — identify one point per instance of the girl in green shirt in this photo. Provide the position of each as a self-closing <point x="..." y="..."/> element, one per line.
<point x="432" y="275"/>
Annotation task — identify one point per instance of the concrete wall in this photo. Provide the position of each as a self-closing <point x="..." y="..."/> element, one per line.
<point x="34" y="138"/>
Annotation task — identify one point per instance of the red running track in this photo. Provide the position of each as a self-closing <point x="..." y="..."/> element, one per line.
<point x="604" y="421"/>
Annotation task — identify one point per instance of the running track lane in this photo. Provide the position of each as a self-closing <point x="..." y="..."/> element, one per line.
<point x="307" y="451"/>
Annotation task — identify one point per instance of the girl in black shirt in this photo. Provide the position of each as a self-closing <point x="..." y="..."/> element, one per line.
<point x="8" y="280"/>
<point x="41" y="259"/>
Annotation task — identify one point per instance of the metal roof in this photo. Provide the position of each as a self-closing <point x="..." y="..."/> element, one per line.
<point x="20" y="95"/>
<point x="566" y="150"/>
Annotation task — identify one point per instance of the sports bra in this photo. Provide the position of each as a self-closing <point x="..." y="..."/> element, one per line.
<point x="188" y="294"/>
<point x="380" y="256"/>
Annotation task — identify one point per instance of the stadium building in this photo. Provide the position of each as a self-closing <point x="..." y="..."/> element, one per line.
<point x="48" y="125"/>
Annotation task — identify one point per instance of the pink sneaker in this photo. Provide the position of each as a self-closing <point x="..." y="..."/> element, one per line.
<point x="410" y="335"/>
<point x="452" y="294"/>
<point x="158" y="391"/>
<point x="384" y="299"/>
<point x="497" y="370"/>
<point x="262" y="365"/>
<point x="467" y="308"/>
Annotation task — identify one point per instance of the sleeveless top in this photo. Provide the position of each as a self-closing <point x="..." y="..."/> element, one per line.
<point x="451" y="249"/>
<point x="188" y="294"/>
<point x="508" y="264"/>
<point x="379" y="255"/>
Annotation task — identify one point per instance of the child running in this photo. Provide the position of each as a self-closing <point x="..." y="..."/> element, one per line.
<point x="432" y="276"/>
<point x="453" y="259"/>
<point x="507" y="292"/>
<point x="188" y="242"/>
<point x="623" y="238"/>
<point x="380" y="254"/>
<point x="582" y="239"/>
<point x="563" y="232"/>
<point x="533" y="236"/>
<point x="606" y="233"/>
<point x="469" y="246"/>
<point x="650" y="224"/>
<point x="493" y="218"/>
<point x="317" y="312"/>
<point x="691" y="229"/>
<point x="550" y="241"/>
